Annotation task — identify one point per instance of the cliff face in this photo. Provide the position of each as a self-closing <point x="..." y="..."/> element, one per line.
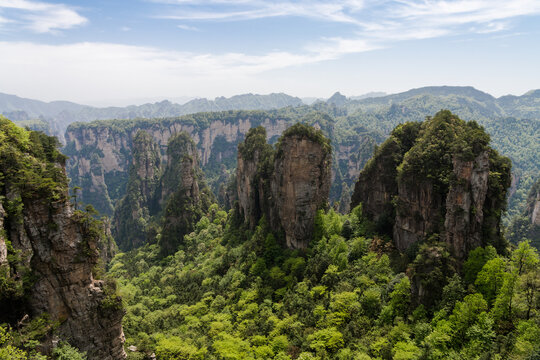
<point x="56" y="245"/>
<point x="440" y="181"/>
<point x="465" y="203"/>
<point x="418" y="213"/>
<point x="254" y="156"/>
<point x="172" y="196"/>
<point x="527" y="226"/>
<point x="133" y="211"/>
<point x="533" y="204"/>
<point x="288" y="185"/>
<point x="377" y="184"/>
<point x="183" y="192"/>
<point x="100" y="152"/>
<point x="216" y="136"/>
<point x="301" y="185"/>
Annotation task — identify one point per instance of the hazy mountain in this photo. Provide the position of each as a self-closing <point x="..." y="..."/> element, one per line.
<point x="62" y="113"/>
<point x="371" y="94"/>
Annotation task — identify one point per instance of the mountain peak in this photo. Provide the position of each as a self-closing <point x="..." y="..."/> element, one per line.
<point x="337" y="99"/>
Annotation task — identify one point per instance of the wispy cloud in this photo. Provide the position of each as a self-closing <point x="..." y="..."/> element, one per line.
<point x="337" y="11"/>
<point x="40" y="17"/>
<point x="122" y="69"/>
<point x="386" y="20"/>
<point x="188" y="28"/>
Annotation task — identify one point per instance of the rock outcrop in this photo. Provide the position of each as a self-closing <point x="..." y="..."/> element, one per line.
<point x="100" y="152"/>
<point x="377" y="184"/>
<point x="182" y="194"/>
<point x="438" y="181"/>
<point x="287" y="185"/>
<point x="533" y="204"/>
<point x="527" y="226"/>
<point x="465" y="203"/>
<point x="172" y="195"/>
<point x="301" y="183"/>
<point x="254" y="155"/>
<point x="133" y="212"/>
<point x="57" y="245"/>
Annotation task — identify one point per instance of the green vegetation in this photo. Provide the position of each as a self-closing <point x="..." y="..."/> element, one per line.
<point x="232" y="293"/>
<point x="305" y="131"/>
<point x="32" y="177"/>
<point x="522" y="226"/>
<point x="21" y="344"/>
<point x="31" y="169"/>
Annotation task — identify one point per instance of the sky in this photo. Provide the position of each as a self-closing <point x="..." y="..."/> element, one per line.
<point x="107" y="52"/>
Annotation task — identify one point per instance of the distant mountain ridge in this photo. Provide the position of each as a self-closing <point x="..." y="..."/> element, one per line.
<point x="59" y="114"/>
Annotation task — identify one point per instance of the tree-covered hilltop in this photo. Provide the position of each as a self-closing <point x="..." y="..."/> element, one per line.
<point x="235" y="290"/>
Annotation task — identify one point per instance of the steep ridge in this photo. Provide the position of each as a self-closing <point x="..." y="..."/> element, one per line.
<point x="133" y="212"/>
<point x="49" y="251"/>
<point x="161" y="198"/>
<point x="527" y="225"/>
<point x="288" y="185"/>
<point x="183" y="193"/>
<point x="441" y="181"/>
<point x="100" y="152"/>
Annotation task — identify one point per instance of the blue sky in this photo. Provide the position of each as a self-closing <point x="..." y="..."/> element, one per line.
<point x="119" y="52"/>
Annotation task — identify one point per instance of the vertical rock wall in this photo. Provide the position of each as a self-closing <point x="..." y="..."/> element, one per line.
<point x="134" y="209"/>
<point x="300" y="187"/>
<point x="288" y="185"/>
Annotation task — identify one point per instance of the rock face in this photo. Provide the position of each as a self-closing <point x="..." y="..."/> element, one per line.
<point x="287" y="185"/>
<point x="100" y="152"/>
<point x="527" y="226"/>
<point x="100" y="156"/>
<point x="183" y="192"/>
<point x="173" y="195"/>
<point x="465" y="203"/>
<point x="252" y="185"/>
<point x="300" y="186"/>
<point x="134" y="210"/>
<point x="57" y="245"/>
<point x="377" y="184"/>
<point x="63" y="261"/>
<point x="438" y="180"/>
<point x="418" y="213"/>
<point x="533" y="204"/>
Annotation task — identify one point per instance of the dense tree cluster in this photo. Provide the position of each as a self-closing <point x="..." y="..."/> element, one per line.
<point x="234" y="293"/>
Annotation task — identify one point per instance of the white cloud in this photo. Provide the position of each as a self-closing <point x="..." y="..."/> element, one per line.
<point x="84" y="70"/>
<point x="386" y="20"/>
<point x="81" y="71"/>
<point x="41" y="17"/>
<point x="187" y="27"/>
<point x="337" y="11"/>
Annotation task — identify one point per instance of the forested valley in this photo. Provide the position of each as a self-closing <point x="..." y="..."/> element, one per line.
<point x="329" y="231"/>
